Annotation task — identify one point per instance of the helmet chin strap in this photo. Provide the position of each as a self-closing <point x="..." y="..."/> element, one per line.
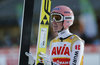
<point x="62" y="28"/>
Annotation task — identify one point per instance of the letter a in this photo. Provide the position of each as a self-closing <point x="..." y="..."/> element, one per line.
<point x="54" y="51"/>
<point x="66" y="51"/>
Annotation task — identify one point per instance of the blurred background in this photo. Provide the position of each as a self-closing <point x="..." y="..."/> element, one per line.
<point x="86" y="25"/>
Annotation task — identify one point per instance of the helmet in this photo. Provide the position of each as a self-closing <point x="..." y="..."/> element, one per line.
<point x="62" y="14"/>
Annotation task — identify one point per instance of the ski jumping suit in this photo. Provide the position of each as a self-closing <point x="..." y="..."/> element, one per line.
<point x="67" y="49"/>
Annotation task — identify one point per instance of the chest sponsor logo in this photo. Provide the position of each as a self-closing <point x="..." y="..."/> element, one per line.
<point x="60" y="50"/>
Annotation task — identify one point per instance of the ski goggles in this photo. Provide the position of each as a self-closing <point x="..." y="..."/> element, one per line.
<point x="59" y="17"/>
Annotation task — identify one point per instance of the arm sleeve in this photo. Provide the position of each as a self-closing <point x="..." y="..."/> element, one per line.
<point x="77" y="52"/>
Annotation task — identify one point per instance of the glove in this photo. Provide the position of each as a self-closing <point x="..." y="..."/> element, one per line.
<point x="46" y="59"/>
<point x="31" y="60"/>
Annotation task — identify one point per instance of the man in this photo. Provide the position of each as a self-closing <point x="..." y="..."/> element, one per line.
<point x="66" y="48"/>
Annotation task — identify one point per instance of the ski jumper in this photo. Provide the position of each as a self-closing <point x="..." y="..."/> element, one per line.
<point x="67" y="49"/>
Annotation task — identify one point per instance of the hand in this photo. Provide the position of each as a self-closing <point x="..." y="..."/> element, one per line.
<point x="46" y="59"/>
<point x="31" y="60"/>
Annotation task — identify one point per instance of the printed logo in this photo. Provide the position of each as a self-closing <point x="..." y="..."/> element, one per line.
<point x="56" y="9"/>
<point x="77" y="47"/>
<point x="75" y="57"/>
<point x="62" y="32"/>
<point x="62" y="61"/>
<point x="62" y="50"/>
<point x="46" y="6"/>
<point x="44" y="21"/>
<point x="66" y="12"/>
<point x="46" y="10"/>
<point x="72" y="37"/>
<point x="43" y="37"/>
<point x="60" y="53"/>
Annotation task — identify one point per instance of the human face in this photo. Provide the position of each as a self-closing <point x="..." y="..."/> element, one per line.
<point x="57" y="26"/>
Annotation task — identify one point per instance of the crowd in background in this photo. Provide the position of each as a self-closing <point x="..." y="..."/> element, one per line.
<point x="86" y="25"/>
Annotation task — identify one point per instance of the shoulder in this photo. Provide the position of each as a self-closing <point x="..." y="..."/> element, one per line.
<point x="77" y="38"/>
<point x="53" y="40"/>
<point x="56" y="39"/>
<point x="77" y="41"/>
